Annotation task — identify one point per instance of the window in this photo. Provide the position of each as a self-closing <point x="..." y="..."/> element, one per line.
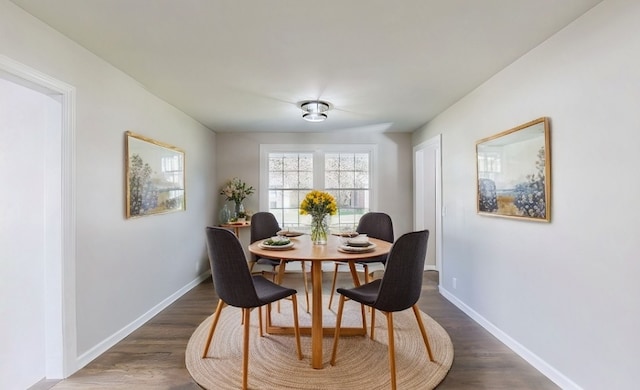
<point x="346" y="177"/>
<point x="290" y="178"/>
<point x="289" y="172"/>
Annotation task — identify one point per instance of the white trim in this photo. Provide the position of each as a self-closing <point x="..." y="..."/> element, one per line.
<point x="115" y="338"/>
<point x="61" y="291"/>
<point x="545" y="368"/>
<point x="436" y="144"/>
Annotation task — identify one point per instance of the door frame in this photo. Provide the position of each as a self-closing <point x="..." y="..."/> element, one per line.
<point x="60" y="285"/>
<point x="434" y="143"/>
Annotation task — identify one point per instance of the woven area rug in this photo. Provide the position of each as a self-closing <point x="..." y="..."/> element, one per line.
<point x="361" y="363"/>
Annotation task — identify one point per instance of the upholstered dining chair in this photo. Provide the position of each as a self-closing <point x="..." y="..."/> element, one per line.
<point x="265" y="225"/>
<point x="399" y="289"/>
<point x="236" y="287"/>
<point x="376" y="225"/>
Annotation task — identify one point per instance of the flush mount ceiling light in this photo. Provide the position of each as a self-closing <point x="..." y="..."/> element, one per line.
<point x="314" y="110"/>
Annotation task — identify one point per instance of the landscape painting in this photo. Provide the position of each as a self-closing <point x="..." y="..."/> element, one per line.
<point x="514" y="172"/>
<point x="154" y="177"/>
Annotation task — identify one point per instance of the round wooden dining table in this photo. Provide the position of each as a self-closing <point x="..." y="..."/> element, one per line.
<point x="304" y="250"/>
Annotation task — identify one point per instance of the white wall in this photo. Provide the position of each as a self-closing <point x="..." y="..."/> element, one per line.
<point x="132" y="265"/>
<point x="565" y="294"/>
<point x="239" y="155"/>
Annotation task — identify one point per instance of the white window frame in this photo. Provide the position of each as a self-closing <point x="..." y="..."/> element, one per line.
<point x="318" y="151"/>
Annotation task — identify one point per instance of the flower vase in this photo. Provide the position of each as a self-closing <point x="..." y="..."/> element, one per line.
<point x="319" y="229"/>
<point x="239" y="210"/>
<point x="225" y="215"/>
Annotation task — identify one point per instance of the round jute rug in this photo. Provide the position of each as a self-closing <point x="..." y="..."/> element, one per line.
<point x="361" y="363"/>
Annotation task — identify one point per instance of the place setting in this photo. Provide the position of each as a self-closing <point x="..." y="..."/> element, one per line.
<point x="287" y="232"/>
<point x="356" y="244"/>
<point x="277" y="243"/>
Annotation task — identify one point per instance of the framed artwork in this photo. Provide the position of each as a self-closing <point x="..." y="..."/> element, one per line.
<point x="154" y="177"/>
<point x="514" y="172"/>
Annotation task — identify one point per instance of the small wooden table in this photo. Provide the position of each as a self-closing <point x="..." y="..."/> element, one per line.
<point x="303" y="249"/>
<point x="236" y="226"/>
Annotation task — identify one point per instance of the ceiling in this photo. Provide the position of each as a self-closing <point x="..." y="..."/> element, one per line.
<point x="244" y="65"/>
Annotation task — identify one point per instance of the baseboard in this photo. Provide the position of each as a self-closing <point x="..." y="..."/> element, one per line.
<point x="109" y="342"/>
<point x="547" y="370"/>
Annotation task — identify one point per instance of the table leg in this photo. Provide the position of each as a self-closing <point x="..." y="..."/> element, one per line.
<point x="354" y="273"/>
<point x="356" y="281"/>
<point x="316" y="315"/>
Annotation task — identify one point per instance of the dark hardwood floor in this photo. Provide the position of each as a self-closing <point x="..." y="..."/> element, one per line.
<point x="152" y="357"/>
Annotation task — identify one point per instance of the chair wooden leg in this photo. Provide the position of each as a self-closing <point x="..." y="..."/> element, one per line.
<point x="416" y="311"/>
<point x="336" y="335"/>
<point x="392" y="350"/>
<point x="296" y="326"/>
<point x="373" y="322"/>
<point x="214" y="323"/>
<point x="245" y="349"/>
<point x="367" y="277"/>
<point x="333" y="285"/>
<point x="260" y="320"/>
<point x="364" y="318"/>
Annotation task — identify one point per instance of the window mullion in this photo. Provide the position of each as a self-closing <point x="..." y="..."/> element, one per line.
<point x="318" y="170"/>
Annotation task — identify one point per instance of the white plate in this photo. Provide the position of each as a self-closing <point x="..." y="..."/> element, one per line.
<point x="289" y="233"/>
<point x="359" y="243"/>
<point x="356" y="249"/>
<point x="262" y="245"/>
<point x="346" y="234"/>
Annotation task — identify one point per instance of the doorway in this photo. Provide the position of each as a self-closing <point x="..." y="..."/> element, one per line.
<point x="38" y="157"/>
<point x="428" y="197"/>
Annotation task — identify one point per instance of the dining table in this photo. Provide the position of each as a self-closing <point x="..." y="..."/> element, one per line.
<point x="303" y="249"/>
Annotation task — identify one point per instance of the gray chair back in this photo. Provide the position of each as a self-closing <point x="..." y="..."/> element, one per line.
<point x="263" y="226"/>
<point x="232" y="279"/>
<point x="376" y="225"/>
<point x="401" y="283"/>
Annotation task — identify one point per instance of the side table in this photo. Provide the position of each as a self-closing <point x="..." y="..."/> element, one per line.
<point x="236" y="226"/>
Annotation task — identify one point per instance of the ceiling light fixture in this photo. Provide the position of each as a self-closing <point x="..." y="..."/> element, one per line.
<point x="314" y="110"/>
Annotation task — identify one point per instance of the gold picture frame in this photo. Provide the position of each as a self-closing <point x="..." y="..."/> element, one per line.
<point x="155" y="177"/>
<point x="514" y="173"/>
